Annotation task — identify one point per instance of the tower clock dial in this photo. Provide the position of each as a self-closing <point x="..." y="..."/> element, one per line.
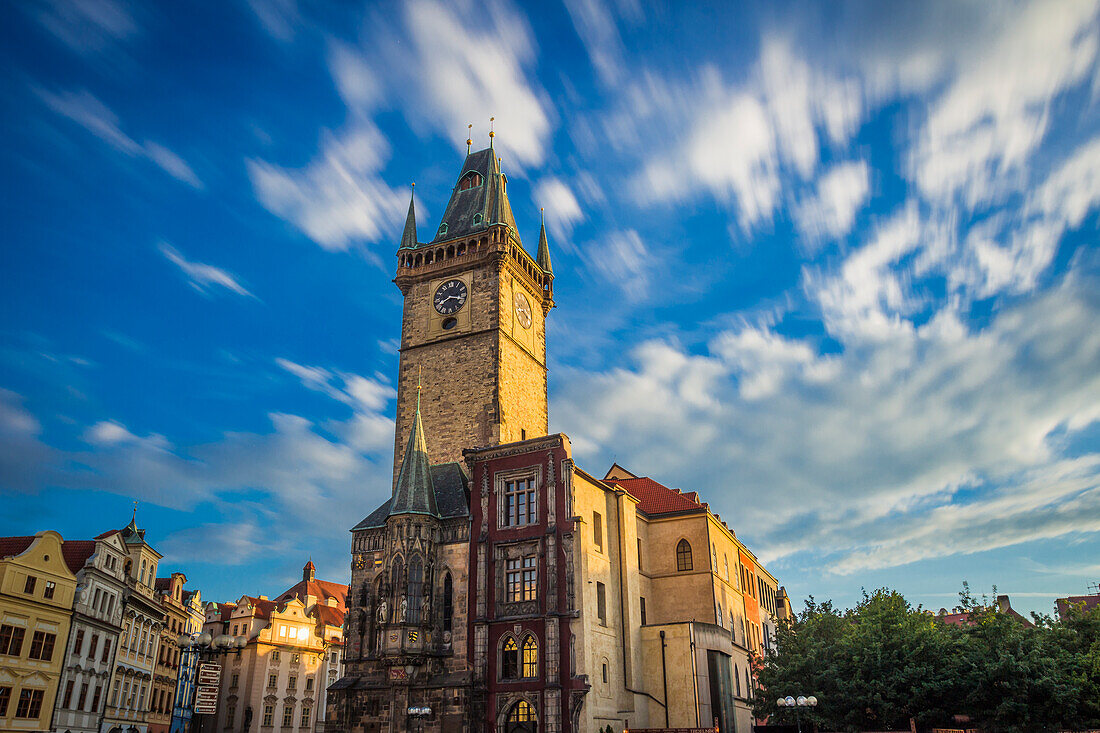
<point x="523" y="310"/>
<point x="450" y="297"/>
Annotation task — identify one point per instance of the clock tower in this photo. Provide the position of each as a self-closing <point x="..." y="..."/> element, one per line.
<point x="473" y="331"/>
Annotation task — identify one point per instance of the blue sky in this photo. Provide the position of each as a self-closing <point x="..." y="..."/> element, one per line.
<point x="834" y="267"/>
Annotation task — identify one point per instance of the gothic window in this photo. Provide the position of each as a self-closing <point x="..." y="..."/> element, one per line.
<point x="720" y="619"/>
<point x="726" y="562"/>
<point x="519" y="503"/>
<point x="530" y="657"/>
<point x="448" y="601"/>
<point x="521" y="718"/>
<point x="509" y="660"/>
<point x="416" y="579"/>
<point x="470" y="180"/>
<point x="522" y="579"/>
<point x="397" y="578"/>
<point x="477" y="218"/>
<point x="683" y="556"/>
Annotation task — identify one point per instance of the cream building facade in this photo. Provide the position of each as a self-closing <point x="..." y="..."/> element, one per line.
<point x="279" y="680"/>
<point x="37" y="589"/>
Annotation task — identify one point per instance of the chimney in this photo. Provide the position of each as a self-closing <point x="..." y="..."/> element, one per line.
<point x="263" y="598"/>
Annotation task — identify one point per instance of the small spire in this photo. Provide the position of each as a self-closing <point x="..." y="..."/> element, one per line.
<point x="491" y="133"/>
<point x="408" y="237"/>
<point x="469" y="137"/>
<point x="413" y="492"/>
<point x="543" y="258"/>
<point x="419" y="374"/>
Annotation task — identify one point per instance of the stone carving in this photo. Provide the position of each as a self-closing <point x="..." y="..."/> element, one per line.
<point x="383" y="608"/>
<point x="403" y="610"/>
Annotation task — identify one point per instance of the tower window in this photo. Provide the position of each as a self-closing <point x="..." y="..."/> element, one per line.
<point x="601" y="603"/>
<point x="448" y="601"/>
<point x="477" y="218"/>
<point x="449" y="323"/>
<point x="530" y="657"/>
<point x="597" y="530"/>
<point x="443" y="228"/>
<point x="470" y="180"/>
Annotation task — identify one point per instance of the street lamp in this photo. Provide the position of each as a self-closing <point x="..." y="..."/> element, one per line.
<point x="798" y="703"/>
<point x="206" y="646"/>
<point x="419" y="714"/>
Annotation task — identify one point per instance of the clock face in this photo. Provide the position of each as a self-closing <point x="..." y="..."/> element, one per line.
<point x="450" y="297"/>
<point x="523" y="310"/>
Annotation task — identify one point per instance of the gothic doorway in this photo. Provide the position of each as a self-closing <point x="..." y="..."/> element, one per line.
<point x="521" y="719"/>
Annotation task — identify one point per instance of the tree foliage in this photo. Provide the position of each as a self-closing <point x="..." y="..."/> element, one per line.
<point x="884" y="662"/>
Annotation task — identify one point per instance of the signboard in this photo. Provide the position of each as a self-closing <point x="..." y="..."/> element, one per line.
<point x="206" y="700"/>
<point x="210" y="674"/>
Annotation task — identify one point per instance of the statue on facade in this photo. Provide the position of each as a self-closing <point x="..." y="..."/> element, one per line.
<point x="383" y="608"/>
<point x="403" y="610"/>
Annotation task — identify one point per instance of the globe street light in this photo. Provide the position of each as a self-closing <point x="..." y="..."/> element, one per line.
<point x="798" y="703"/>
<point x="197" y="648"/>
<point x="419" y="714"/>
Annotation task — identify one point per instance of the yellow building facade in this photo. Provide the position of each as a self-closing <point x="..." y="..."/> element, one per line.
<point x="36" y="602"/>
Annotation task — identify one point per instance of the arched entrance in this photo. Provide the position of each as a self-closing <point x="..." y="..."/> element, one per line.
<point x="521" y="719"/>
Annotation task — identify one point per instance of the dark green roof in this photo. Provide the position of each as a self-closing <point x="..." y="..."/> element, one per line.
<point x="544" y="252"/>
<point x="413" y="493"/>
<point x="474" y="209"/>
<point x="449" y="482"/>
<point x="408" y="237"/>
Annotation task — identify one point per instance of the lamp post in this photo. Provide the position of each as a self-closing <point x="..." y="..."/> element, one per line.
<point x="798" y="703"/>
<point x="206" y="646"/>
<point x="419" y="714"/>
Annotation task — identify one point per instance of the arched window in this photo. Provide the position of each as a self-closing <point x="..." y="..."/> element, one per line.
<point x="127" y="567"/>
<point x="726" y="562"/>
<point x="509" y="660"/>
<point x="521" y="718"/>
<point x="530" y="657"/>
<point x="720" y="619"/>
<point x="142" y="576"/>
<point x="683" y="556"/>
<point x="397" y="581"/>
<point x="443" y="228"/>
<point x="416" y="580"/>
<point x="470" y="180"/>
<point x="477" y="218"/>
<point x="448" y="601"/>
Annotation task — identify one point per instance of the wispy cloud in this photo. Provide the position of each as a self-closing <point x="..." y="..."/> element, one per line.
<point x="89" y="26"/>
<point x="339" y="199"/>
<point x="203" y="277"/>
<point x="562" y="210"/>
<point x="830" y="211"/>
<point x="90" y="113"/>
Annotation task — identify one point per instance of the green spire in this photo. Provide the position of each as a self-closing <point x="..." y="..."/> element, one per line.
<point x="408" y="237"/>
<point x="414" y="493"/>
<point x="543" y="259"/>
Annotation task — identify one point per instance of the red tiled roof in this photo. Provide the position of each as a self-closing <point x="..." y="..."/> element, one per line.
<point x="224" y="609"/>
<point x="1087" y="602"/>
<point x="77" y="552"/>
<point x="261" y="608"/>
<point x="11" y="546"/>
<point x="956" y="619"/>
<point x="329" y="615"/>
<point x="162" y="583"/>
<point x="108" y="533"/>
<point x="320" y="589"/>
<point x="653" y="498"/>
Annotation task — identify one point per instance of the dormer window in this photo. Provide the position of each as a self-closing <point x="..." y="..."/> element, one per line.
<point x="470" y="180"/>
<point x="504" y="182"/>
<point x="477" y="218"/>
<point x="443" y="228"/>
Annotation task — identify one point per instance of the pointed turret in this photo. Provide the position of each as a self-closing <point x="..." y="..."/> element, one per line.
<point x="543" y="259"/>
<point x="408" y="237"/>
<point x="309" y="572"/>
<point x="414" y="492"/>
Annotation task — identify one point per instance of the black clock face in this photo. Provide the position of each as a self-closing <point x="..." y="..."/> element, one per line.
<point x="450" y="297"/>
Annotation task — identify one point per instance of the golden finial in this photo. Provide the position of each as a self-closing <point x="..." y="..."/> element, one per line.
<point x="469" y="137"/>
<point x="491" y="133"/>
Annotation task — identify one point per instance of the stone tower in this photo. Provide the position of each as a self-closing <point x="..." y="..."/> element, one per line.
<point x="474" y="323"/>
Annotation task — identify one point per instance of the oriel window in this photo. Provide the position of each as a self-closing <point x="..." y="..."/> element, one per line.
<point x="520" y="506"/>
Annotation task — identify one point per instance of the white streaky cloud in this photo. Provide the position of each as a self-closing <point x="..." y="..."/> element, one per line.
<point x="622" y="259"/>
<point x="90" y="113"/>
<point x="744" y="140"/>
<point x="203" y="277"/>
<point x="996" y="111"/>
<point x="361" y="393"/>
<point x="357" y="82"/>
<point x="278" y="17"/>
<point x="470" y="65"/>
<point x="562" y="210"/>
<point x="869" y="296"/>
<point x="108" y="433"/>
<point x="231" y="543"/>
<point x="89" y="26"/>
<point x="831" y="211"/>
<point x="339" y="199"/>
<point x="596" y="26"/>
<point x="863" y="449"/>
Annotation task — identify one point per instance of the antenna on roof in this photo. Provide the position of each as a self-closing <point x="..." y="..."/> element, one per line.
<point x="491" y="133"/>
<point x="469" y="137"/>
<point x="134" y="517"/>
<point x="419" y="371"/>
